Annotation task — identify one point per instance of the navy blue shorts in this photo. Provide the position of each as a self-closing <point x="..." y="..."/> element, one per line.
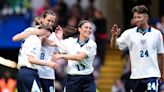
<point x="80" y="83"/>
<point x="47" y="84"/>
<point x="28" y="80"/>
<point x="146" y="84"/>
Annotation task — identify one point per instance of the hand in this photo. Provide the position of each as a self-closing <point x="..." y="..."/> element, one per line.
<point x="53" y="65"/>
<point x="59" y="32"/>
<point x="115" y="30"/>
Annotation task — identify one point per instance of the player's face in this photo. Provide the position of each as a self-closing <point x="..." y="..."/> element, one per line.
<point x="140" y="19"/>
<point x="86" y="30"/>
<point x="49" y="20"/>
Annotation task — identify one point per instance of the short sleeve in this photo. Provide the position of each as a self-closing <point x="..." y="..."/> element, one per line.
<point x="65" y="44"/>
<point x="34" y="47"/>
<point x="122" y="41"/>
<point x="90" y="49"/>
<point x="160" y="47"/>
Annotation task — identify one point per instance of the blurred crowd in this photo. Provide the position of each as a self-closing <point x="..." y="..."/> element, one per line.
<point x="14" y="7"/>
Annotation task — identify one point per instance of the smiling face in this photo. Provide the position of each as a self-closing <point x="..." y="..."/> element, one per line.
<point x="85" y="30"/>
<point x="140" y="16"/>
<point x="140" y="19"/>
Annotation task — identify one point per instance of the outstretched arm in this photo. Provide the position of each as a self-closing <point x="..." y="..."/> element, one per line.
<point x="34" y="60"/>
<point x="22" y="35"/>
<point x="78" y="57"/>
<point x="27" y="33"/>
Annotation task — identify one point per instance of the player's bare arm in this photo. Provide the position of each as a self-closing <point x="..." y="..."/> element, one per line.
<point x="34" y="60"/>
<point x="25" y="34"/>
<point x="78" y="57"/>
<point x="22" y="35"/>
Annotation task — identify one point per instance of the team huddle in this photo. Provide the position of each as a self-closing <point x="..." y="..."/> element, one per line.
<point x="38" y="54"/>
<point x="43" y="45"/>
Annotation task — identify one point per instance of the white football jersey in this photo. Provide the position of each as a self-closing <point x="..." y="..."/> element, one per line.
<point x="143" y="49"/>
<point x="31" y="46"/>
<point x="46" y="54"/>
<point x="85" y="66"/>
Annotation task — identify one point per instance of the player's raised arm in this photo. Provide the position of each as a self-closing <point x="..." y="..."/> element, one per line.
<point x="22" y="35"/>
<point x="78" y="57"/>
<point x="26" y="33"/>
<point x="115" y="32"/>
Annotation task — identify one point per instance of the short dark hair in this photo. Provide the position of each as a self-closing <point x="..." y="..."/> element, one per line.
<point x="140" y="9"/>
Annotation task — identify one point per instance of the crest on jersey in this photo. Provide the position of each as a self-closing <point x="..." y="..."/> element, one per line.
<point x="34" y="50"/>
<point x="143" y="41"/>
<point x="88" y="47"/>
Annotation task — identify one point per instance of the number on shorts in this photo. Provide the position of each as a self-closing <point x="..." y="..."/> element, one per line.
<point x="151" y="86"/>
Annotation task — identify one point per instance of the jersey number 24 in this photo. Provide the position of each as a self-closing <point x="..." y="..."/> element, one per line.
<point x="144" y="53"/>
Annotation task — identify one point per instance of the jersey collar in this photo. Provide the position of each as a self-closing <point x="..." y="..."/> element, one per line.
<point x="82" y="43"/>
<point x="143" y="32"/>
